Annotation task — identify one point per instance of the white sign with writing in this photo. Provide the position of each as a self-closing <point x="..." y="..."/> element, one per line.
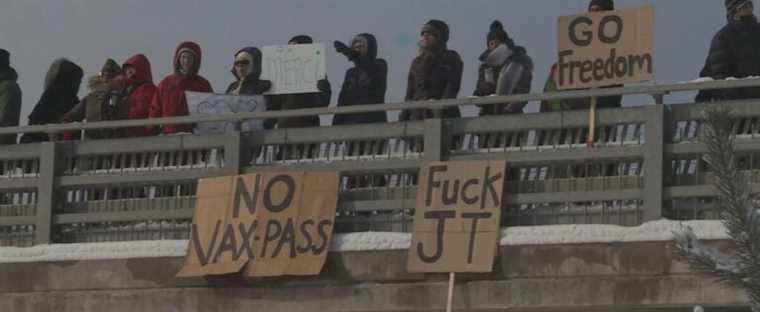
<point x="220" y="104"/>
<point x="293" y="68"/>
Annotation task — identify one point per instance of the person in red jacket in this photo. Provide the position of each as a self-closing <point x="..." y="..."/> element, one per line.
<point x="170" y="100"/>
<point x="139" y="93"/>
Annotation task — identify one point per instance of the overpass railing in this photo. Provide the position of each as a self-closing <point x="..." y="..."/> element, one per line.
<point x="646" y="165"/>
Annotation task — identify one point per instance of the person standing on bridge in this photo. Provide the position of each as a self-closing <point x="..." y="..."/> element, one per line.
<point x="103" y="103"/>
<point x="139" y="92"/>
<point x="170" y="100"/>
<point x="734" y="52"/>
<point x="505" y="69"/>
<point x="365" y="83"/>
<point x="247" y="71"/>
<point x="60" y="96"/>
<point x="299" y="101"/>
<point x="613" y="101"/>
<point x="10" y="98"/>
<point x="435" y="74"/>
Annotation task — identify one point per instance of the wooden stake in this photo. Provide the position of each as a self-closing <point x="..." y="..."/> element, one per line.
<point x="450" y="297"/>
<point x="591" y="123"/>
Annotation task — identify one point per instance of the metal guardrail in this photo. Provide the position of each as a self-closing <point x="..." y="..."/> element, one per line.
<point x="646" y="165"/>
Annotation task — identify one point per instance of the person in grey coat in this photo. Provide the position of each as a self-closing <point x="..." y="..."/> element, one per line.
<point x="505" y="69"/>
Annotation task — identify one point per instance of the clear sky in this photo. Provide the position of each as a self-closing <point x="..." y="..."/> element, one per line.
<point x="89" y="31"/>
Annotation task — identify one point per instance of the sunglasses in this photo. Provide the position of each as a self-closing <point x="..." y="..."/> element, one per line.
<point x="242" y="63"/>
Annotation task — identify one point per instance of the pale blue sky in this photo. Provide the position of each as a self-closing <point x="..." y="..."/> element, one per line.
<point x="89" y="31"/>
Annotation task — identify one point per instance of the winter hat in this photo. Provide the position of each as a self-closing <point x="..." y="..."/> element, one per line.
<point x="111" y="68"/>
<point x="438" y="29"/>
<point x="5" y="59"/>
<point x="497" y="32"/>
<point x="302" y="39"/>
<point x="606" y="5"/>
<point x="734" y="5"/>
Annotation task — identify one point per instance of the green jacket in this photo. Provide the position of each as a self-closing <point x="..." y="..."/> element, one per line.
<point x="10" y="103"/>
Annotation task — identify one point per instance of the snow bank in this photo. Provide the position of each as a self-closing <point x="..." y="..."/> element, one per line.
<point x="367" y="241"/>
<point x="708" y="79"/>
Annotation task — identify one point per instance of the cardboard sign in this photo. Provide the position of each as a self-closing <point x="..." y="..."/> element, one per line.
<point x="294" y="68"/>
<point x="605" y="48"/>
<point x="457" y="216"/>
<point x="219" y="104"/>
<point x="264" y="224"/>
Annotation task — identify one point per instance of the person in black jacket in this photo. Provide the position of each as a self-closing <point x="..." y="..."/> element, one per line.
<point x="365" y="83"/>
<point x="60" y="96"/>
<point x="734" y="52"/>
<point x="435" y="74"/>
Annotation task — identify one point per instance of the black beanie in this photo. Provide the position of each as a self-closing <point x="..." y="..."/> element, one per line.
<point x="5" y="59"/>
<point x="606" y="5"/>
<point x="497" y="32"/>
<point x="438" y="28"/>
<point x="302" y="39"/>
<point x="733" y="5"/>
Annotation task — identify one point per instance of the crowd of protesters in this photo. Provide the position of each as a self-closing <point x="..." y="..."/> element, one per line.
<point x="127" y="91"/>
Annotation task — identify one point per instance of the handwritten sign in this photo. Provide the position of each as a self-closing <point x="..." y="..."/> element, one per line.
<point x="263" y="224"/>
<point x="294" y="68"/>
<point x="457" y="216"/>
<point x="219" y="104"/>
<point x="605" y="48"/>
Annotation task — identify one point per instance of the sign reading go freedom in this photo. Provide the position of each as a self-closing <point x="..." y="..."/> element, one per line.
<point x="457" y="216"/>
<point x="264" y="224"/>
<point x="605" y="48"/>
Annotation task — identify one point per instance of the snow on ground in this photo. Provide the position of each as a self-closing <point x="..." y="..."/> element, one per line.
<point x="367" y="241"/>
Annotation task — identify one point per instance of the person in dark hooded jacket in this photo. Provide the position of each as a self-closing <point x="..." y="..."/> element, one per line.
<point x="10" y="98"/>
<point x="435" y="74"/>
<point x="247" y="71"/>
<point x="299" y="101"/>
<point x="170" y="100"/>
<point x="365" y="83"/>
<point x="60" y="96"/>
<point x="613" y="101"/>
<point x="506" y="69"/>
<point x="734" y="52"/>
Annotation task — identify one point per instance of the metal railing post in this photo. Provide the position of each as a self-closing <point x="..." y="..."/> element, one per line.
<point x="435" y="140"/>
<point x="654" y="161"/>
<point x="46" y="192"/>
<point x="233" y="153"/>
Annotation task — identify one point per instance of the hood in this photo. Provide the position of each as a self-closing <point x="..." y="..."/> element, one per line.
<point x="371" y="44"/>
<point x="192" y="47"/>
<point x="64" y="73"/>
<point x="8" y="73"/>
<point x="253" y="55"/>
<point x="142" y="67"/>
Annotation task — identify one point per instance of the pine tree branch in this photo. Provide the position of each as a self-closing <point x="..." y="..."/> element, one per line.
<point x="737" y="211"/>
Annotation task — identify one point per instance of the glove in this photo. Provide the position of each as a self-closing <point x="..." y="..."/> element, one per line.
<point x="324" y="85"/>
<point x="345" y="50"/>
<point x="485" y="88"/>
<point x="341" y="48"/>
